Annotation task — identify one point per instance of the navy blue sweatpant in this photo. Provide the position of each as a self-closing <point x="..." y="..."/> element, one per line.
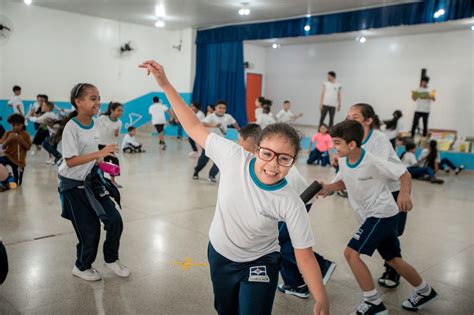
<point x="242" y="288"/>
<point x="87" y="226"/>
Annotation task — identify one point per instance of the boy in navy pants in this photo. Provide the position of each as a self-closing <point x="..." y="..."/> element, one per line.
<point x="365" y="177"/>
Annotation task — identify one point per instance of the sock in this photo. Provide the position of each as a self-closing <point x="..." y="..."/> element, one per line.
<point x="424" y="288"/>
<point x="372" y="297"/>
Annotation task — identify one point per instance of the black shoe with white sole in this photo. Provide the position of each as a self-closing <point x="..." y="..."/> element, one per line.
<point x="417" y="301"/>
<point x="368" y="308"/>
<point x="301" y="291"/>
<point x="328" y="271"/>
<point x="390" y="278"/>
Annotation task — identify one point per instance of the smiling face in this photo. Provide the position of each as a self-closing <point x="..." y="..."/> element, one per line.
<point x="220" y="109"/>
<point x="270" y="172"/>
<point x="342" y="147"/>
<point x="117" y="113"/>
<point x="89" y="103"/>
<point x="356" y="114"/>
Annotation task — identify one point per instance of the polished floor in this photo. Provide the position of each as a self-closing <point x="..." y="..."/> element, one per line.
<point x="167" y="216"/>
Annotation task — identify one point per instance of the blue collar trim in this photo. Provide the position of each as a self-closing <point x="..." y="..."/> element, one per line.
<point x="282" y="183"/>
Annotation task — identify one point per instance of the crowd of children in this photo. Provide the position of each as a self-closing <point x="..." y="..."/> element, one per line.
<point x="261" y="226"/>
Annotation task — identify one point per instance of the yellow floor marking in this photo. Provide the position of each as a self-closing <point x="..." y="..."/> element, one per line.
<point x="188" y="263"/>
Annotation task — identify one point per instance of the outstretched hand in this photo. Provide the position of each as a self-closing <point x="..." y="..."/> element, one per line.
<point x="157" y="71"/>
<point x="324" y="192"/>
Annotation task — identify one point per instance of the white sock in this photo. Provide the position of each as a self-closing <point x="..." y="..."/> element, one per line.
<point x="424" y="288"/>
<point x="372" y="297"/>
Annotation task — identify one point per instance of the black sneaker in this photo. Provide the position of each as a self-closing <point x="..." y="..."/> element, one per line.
<point x="212" y="179"/>
<point x="417" y="301"/>
<point x="301" y="291"/>
<point x="331" y="266"/>
<point x="368" y="308"/>
<point x="435" y="180"/>
<point x="384" y="276"/>
<point x="195" y="176"/>
<point x="459" y="169"/>
<point x="164" y="147"/>
<point x="392" y="279"/>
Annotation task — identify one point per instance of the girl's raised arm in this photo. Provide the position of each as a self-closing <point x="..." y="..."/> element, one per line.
<point x="186" y="116"/>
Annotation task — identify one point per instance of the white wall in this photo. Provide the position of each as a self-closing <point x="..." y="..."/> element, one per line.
<point x="382" y="72"/>
<point x="255" y="55"/>
<point x="51" y="50"/>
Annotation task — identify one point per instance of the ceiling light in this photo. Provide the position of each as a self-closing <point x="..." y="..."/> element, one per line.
<point x="160" y="10"/>
<point x="439" y="13"/>
<point x="472" y="27"/>
<point x="275" y="45"/>
<point x="160" y="23"/>
<point x="361" y="39"/>
<point x="27" y="2"/>
<point x="244" y="10"/>
<point x="307" y="28"/>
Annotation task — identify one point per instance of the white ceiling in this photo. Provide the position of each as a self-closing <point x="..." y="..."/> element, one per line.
<point x="372" y="33"/>
<point x="205" y="13"/>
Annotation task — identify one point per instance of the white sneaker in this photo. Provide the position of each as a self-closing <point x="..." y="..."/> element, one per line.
<point x="33" y="152"/>
<point x="50" y="161"/>
<point x="88" y="275"/>
<point x="119" y="269"/>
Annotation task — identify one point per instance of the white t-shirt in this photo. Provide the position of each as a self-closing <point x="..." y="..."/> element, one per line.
<point x="224" y="120"/>
<point x="157" y="112"/>
<point x="423" y="105"/>
<point x="17" y="104"/>
<point x="258" y="112"/>
<point x="107" y="129"/>
<point x="43" y="118"/>
<point x="200" y="115"/>
<point x="265" y="120"/>
<point x="78" y="140"/>
<point x="424" y="154"/>
<point x="129" y="140"/>
<point x="409" y="159"/>
<point x="366" y="183"/>
<point x="245" y="224"/>
<point x="330" y="93"/>
<point x="392" y="134"/>
<point x="284" y="116"/>
<point x="378" y="144"/>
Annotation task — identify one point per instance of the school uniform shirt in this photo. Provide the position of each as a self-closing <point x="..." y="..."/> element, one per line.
<point x="78" y="139"/>
<point x="244" y="226"/>
<point x="423" y="105"/>
<point x="378" y="144"/>
<point x="224" y="120"/>
<point x="265" y="120"/>
<point x="129" y="140"/>
<point x="107" y="128"/>
<point x="424" y="154"/>
<point x="200" y="115"/>
<point x="330" y="93"/>
<point x="258" y="113"/>
<point x="323" y="142"/>
<point x="43" y="119"/>
<point x="366" y="182"/>
<point x="14" y="151"/>
<point x="157" y="112"/>
<point x="17" y="104"/>
<point x="392" y="134"/>
<point x="409" y="159"/>
<point x="284" y="116"/>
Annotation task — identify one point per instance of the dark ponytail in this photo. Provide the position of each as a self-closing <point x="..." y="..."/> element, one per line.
<point x="432" y="155"/>
<point x="112" y="106"/>
<point x="392" y="123"/>
<point x="368" y="112"/>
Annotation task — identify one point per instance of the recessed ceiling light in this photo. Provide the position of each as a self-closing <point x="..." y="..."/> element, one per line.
<point x="244" y="10"/>
<point x="160" y="23"/>
<point x="307" y="28"/>
<point x="472" y="27"/>
<point x="275" y="45"/>
<point x="361" y="39"/>
<point x="439" y="13"/>
<point x="27" y="2"/>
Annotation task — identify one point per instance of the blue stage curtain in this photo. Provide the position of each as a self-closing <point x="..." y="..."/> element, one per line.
<point x="220" y="75"/>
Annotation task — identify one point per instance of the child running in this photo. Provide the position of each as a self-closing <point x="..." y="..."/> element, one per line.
<point x="321" y="152"/>
<point x="158" y="113"/>
<point x="85" y="194"/>
<point x="377" y="143"/>
<point x="109" y="131"/>
<point x="286" y="115"/>
<point x="253" y="196"/>
<point x="293" y="280"/>
<point x="365" y="176"/>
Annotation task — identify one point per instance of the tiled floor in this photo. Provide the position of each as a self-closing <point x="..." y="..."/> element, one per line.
<point x="167" y="216"/>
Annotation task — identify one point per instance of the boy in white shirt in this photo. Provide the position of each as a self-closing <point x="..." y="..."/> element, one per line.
<point x="217" y="123"/>
<point x="330" y="98"/>
<point x="158" y="118"/>
<point x="266" y="117"/>
<point x="286" y="115"/>
<point x="16" y="103"/>
<point x="366" y="177"/>
<point x="129" y="143"/>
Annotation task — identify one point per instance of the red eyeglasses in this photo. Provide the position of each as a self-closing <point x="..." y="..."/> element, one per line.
<point x="282" y="158"/>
